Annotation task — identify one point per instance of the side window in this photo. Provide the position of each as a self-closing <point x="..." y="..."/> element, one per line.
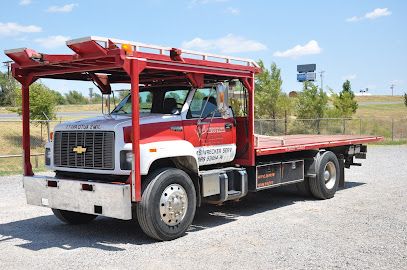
<point x="178" y="95"/>
<point x="146" y="101"/>
<point x="238" y="98"/>
<point x="203" y="103"/>
<point x="173" y="101"/>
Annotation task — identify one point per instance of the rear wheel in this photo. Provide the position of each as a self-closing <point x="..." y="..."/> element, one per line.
<point x="70" y="217"/>
<point x="168" y="204"/>
<point x="325" y="184"/>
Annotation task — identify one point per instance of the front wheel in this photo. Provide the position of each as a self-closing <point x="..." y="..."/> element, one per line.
<point x="70" y="217"/>
<point x="168" y="204"/>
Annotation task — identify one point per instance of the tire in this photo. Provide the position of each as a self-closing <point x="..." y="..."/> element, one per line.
<point x="325" y="184"/>
<point x="73" y="218"/>
<point x="163" y="191"/>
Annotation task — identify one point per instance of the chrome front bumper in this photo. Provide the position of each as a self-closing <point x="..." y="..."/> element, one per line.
<point x="110" y="200"/>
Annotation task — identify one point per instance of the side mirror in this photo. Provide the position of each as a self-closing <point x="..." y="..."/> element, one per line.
<point x="222" y="100"/>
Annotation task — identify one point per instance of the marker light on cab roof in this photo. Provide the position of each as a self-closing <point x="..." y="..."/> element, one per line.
<point x="127" y="48"/>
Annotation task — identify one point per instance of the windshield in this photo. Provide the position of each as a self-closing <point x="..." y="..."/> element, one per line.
<point x="155" y="101"/>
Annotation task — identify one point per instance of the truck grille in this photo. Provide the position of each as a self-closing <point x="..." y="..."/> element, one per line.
<point x="69" y="149"/>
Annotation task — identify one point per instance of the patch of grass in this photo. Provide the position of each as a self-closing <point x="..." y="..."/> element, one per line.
<point x="379" y="98"/>
<point x="382" y="111"/>
<point x="5" y="110"/>
<point x="79" y="108"/>
<point x="10" y="137"/>
<point x="14" y="165"/>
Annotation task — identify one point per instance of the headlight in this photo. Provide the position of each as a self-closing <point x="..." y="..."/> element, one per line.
<point x="47" y="156"/>
<point x="126" y="158"/>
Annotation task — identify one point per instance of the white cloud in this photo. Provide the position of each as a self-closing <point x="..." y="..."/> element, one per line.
<point x="52" y="41"/>
<point x="62" y="9"/>
<point x="227" y="44"/>
<point x="233" y="11"/>
<point x="353" y="19"/>
<point x="311" y="47"/>
<point x="14" y="29"/>
<point x="25" y="2"/>
<point x="376" y="13"/>
<point x="349" y="77"/>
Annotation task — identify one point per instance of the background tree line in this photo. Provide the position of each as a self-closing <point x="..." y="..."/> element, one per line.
<point x="309" y="103"/>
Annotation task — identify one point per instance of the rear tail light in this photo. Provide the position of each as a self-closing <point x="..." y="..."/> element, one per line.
<point x="127" y="135"/>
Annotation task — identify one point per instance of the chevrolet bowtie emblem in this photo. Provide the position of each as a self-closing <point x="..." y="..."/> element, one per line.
<point x="79" y="149"/>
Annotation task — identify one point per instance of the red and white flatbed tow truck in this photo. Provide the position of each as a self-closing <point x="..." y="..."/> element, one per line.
<point x="172" y="144"/>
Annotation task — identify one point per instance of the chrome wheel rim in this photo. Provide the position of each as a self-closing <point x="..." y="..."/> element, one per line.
<point x="173" y="204"/>
<point x="330" y="175"/>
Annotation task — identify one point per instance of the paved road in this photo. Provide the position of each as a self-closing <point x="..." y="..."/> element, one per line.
<point x="363" y="227"/>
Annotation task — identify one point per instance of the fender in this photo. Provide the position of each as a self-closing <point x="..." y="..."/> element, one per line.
<point x="150" y="152"/>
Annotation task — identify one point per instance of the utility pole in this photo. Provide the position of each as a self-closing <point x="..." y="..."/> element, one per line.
<point x="8" y="65"/>
<point x="392" y="89"/>
<point x="321" y="74"/>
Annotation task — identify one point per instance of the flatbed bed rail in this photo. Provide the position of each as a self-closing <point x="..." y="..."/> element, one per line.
<point x="268" y="145"/>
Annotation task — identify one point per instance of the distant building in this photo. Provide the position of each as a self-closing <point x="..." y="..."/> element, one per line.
<point x="362" y="94"/>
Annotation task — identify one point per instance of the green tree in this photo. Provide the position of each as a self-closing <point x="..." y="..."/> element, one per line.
<point x="312" y="102"/>
<point x="344" y="102"/>
<point x="96" y="98"/>
<point x="268" y="91"/>
<point x="122" y="94"/>
<point x="42" y="102"/>
<point x="405" y="99"/>
<point x="75" y="97"/>
<point x="9" y="87"/>
<point x="59" y="98"/>
<point x="346" y="87"/>
<point x="285" y="104"/>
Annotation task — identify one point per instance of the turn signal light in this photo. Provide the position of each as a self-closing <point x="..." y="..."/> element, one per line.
<point x="51" y="136"/>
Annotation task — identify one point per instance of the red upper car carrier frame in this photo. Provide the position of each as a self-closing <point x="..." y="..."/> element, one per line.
<point x="107" y="61"/>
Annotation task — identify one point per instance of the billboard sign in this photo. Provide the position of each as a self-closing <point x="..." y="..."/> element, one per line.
<point x="301" y="77"/>
<point x="310" y="76"/>
<point x="306" y="68"/>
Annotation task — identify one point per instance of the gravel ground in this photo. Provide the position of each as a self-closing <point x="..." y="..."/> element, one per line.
<point x="364" y="226"/>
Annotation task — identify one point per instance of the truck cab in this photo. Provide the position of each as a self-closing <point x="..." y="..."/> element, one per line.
<point x="177" y="122"/>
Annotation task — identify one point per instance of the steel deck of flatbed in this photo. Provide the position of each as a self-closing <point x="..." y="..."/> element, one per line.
<point x="267" y="145"/>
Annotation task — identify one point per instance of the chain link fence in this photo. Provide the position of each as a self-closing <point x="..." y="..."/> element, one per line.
<point x="11" y="143"/>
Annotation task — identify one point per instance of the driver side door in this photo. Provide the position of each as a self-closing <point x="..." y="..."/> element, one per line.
<point x="213" y="137"/>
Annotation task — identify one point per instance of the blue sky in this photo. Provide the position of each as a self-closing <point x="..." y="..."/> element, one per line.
<point x="363" y="41"/>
